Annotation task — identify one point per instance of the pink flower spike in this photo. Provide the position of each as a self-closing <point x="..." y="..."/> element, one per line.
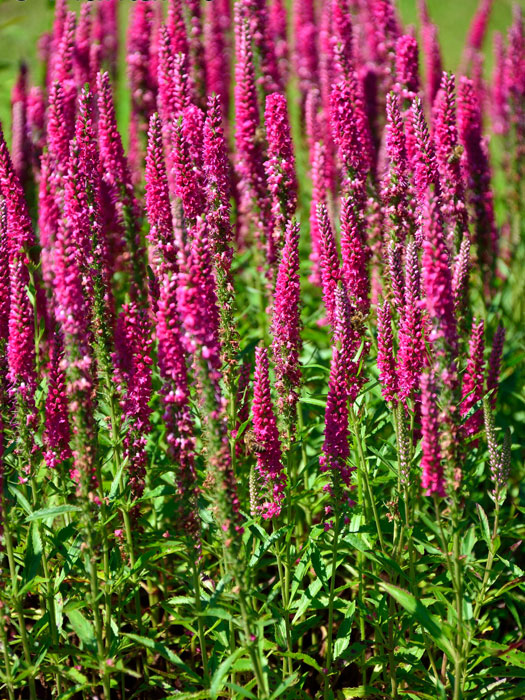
<point x="494" y="364"/>
<point x="280" y="165"/>
<point x="437" y="279"/>
<point x="286" y="344"/>
<point x="432" y="479"/>
<point x="217" y="52"/>
<point x="21" y="141"/>
<point x="410" y="355"/>
<point x="57" y="431"/>
<point x="473" y="379"/>
<point x="449" y="163"/>
<point x="385" y="354"/>
<point x="425" y="165"/>
<point x="407" y="67"/>
<point x="477" y="172"/>
<point x="432" y="53"/>
<point x="269" y="457"/>
<point x="330" y="267"/>
<point x="355" y="256"/>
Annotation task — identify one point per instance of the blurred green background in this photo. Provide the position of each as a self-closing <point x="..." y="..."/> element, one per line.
<point x="23" y="21"/>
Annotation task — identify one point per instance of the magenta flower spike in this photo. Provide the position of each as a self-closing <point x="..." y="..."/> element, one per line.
<point x="105" y="31"/>
<point x="217" y="52"/>
<point x="186" y="176"/>
<point x="385" y="354"/>
<point x="63" y="71"/>
<point x="256" y="14"/>
<point x="36" y="118"/>
<point x="278" y="29"/>
<point x="494" y="364"/>
<point x="449" y="163"/>
<point x="57" y="129"/>
<point x="305" y="54"/>
<point x="460" y="278"/>
<point x="437" y="281"/>
<point x="269" y="456"/>
<point x="477" y="172"/>
<point x="48" y="217"/>
<point x="411" y="349"/>
<point x="177" y="28"/>
<point x="472" y="390"/>
<point x="173" y="86"/>
<point x="330" y="267"/>
<point x="432" y="54"/>
<point x="336" y="449"/>
<point x="355" y="256"/>
<point x="57" y="433"/>
<point x="395" y="187"/>
<point x="498" y="94"/>
<point x="425" y="166"/>
<point x="175" y="395"/>
<point x="218" y="182"/>
<point x="286" y="325"/>
<point x="19" y="228"/>
<point x="141" y="81"/>
<point x="407" y="67"/>
<point x="197" y="302"/>
<point x="319" y="192"/>
<point x="343" y="31"/>
<point x="351" y="133"/>
<point x="250" y="158"/>
<point x="280" y="164"/>
<point x="395" y="274"/>
<point x="82" y="54"/>
<point x="478" y="26"/>
<point x="164" y="250"/>
<point x="196" y="51"/>
<point x="135" y="409"/>
<point x="4" y="290"/>
<point x="21" y="140"/>
<point x="432" y="478"/>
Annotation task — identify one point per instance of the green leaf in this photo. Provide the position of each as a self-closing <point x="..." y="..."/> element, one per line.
<point x="423" y="616"/>
<point x="283" y="686"/>
<point x="83" y="628"/>
<point x="345" y="629"/>
<point x="220" y="674"/>
<point x="485" y="529"/>
<point x="52" y="512"/>
<point x="163" y="650"/>
<point x="308" y="660"/>
<point x="307" y="598"/>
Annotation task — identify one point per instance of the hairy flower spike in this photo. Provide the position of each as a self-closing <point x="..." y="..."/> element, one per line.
<point x="425" y="165"/>
<point x="437" y="279"/>
<point x="355" y="255"/>
<point x="280" y="165"/>
<point x="217" y="51"/>
<point x="330" y="267"/>
<point x="449" y="159"/>
<point x="161" y="236"/>
<point x="432" y="479"/>
<point x="432" y="53"/>
<point x="57" y="431"/>
<point x="407" y="67"/>
<point x="411" y="347"/>
<point x="494" y="364"/>
<point x="269" y="456"/>
<point x="477" y="172"/>
<point x="474" y="379"/>
<point x="286" y="344"/>
<point x="385" y="354"/>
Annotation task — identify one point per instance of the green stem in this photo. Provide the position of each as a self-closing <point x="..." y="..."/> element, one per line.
<point x="7" y="661"/>
<point x="202" y="636"/>
<point x="284" y="584"/>
<point x="254" y="655"/>
<point x="95" y="594"/>
<point x="364" y="468"/>
<point x="329" y="649"/>
<point x="18" y="605"/>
